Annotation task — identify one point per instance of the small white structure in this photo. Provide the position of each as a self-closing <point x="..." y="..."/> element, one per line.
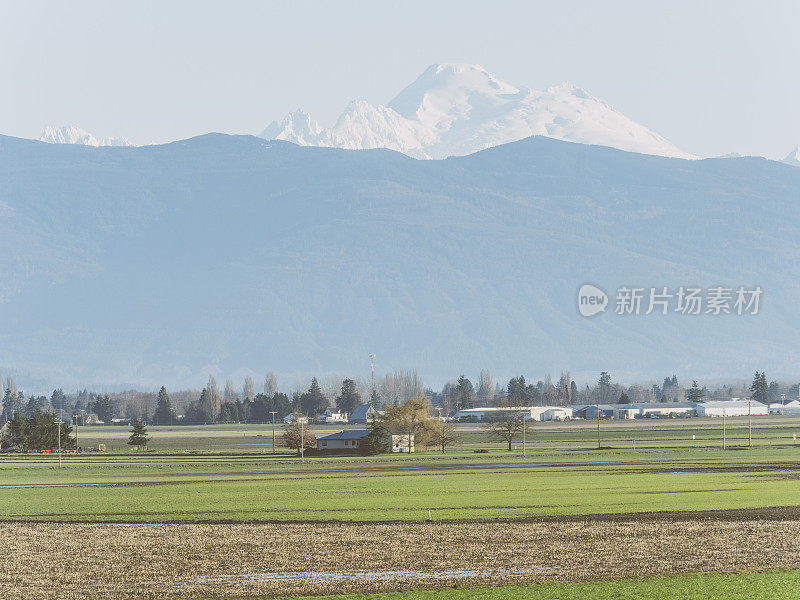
<point x="400" y="443"/>
<point x="291" y="419"/>
<point x="731" y="408"/>
<point x="556" y="413"/>
<point x="330" y="416"/>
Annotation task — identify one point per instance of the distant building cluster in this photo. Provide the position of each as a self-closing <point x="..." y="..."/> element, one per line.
<point x="735" y="407"/>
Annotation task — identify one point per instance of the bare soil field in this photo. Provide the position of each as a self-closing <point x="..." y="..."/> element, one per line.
<point x="44" y="561"/>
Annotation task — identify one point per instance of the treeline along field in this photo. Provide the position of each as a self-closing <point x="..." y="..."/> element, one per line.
<point x="773" y="430"/>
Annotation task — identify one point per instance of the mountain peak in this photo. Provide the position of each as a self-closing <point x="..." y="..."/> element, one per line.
<point x="297" y="127"/>
<point x="454" y="109"/>
<point x="72" y="134"/>
<point x="447" y="87"/>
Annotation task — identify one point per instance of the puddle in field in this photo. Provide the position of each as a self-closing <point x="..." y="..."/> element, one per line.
<point x="348" y="576"/>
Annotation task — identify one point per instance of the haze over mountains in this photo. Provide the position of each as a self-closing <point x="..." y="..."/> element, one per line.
<point x="126" y="266"/>
<point x="793" y="158"/>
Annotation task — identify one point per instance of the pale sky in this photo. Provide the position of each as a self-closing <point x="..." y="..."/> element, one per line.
<point x="711" y="77"/>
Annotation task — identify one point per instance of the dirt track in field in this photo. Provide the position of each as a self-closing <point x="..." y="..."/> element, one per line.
<point x="44" y="561"/>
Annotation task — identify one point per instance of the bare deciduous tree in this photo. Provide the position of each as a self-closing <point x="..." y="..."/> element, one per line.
<point x="270" y="385"/>
<point x="229" y="395"/>
<point x="507" y="425"/>
<point x="249" y="389"/>
<point x="485" y="388"/>
<point x="442" y="435"/>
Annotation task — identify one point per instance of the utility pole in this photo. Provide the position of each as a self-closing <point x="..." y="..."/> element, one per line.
<point x="59" y="438"/>
<point x="272" y="412"/>
<point x="723" y="428"/>
<point x="523" y="434"/>
<point x="598" y="426"/>
<point x="302" y="440"/>
<point x="749" y="426"/>
<point x="76" y="433"/>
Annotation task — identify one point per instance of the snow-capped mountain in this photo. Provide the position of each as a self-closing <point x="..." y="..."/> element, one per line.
<point x="793" y="158"/>
<point x="72" y="134"/>
<point x="456" y="109"/>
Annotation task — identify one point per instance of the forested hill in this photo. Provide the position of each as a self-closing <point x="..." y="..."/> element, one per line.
<point x="228" y="254"/>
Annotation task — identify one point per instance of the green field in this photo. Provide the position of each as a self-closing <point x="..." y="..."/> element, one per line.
<point x="726" y="586"/>
<point x="649" y="493"/>
<point x="207" y="488"/>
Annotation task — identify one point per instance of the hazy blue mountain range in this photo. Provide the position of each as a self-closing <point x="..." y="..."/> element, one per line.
<point x="232" y="254"/>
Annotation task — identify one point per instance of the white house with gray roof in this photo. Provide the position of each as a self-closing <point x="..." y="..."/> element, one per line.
<point x="350" y="440"/>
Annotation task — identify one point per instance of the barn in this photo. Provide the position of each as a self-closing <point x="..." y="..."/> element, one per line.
<point x="731" y="408"/>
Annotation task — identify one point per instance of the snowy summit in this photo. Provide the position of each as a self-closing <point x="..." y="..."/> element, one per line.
<point x="456" y="109"/>
<point x="72" y="134"/>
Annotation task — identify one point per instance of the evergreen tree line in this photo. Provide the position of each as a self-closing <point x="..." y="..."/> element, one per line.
<point x="209" y="405"/>
<point x="40" y="431"/>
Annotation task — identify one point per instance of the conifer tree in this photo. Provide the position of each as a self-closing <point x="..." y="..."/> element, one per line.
<point x="314" y="401"/>
<point x="163" y="414"/>
<point x="138" y="435"/>
<point x="349" y="399"/>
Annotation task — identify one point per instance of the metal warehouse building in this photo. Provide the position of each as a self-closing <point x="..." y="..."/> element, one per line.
<point x="731" y="408"/>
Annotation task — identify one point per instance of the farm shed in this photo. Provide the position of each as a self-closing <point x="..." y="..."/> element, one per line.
<point x="607" y="411"/>
<point x="533" y="413"/>
<point x="731" y="408"/>
<point x="556" y="413"/>
<point x="664" y="409"/>
<point x="789" y="408"/>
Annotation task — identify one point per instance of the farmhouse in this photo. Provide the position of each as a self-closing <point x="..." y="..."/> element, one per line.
<point x="352" y="439"/>
<point x="363" y="414"/>
<point x="343" y="440"/>
<point x="731" y="408"/>
<point x="330" y="416"/>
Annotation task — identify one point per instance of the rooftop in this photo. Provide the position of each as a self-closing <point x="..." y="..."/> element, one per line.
<point x="353" y="434"/>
